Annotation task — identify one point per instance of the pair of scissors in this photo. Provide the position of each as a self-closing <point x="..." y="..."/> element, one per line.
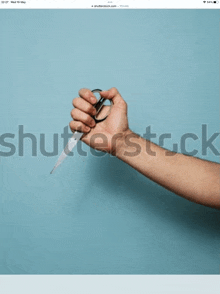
<point x="77" y="135"/>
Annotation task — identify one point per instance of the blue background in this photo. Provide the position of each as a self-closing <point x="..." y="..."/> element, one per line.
<point x="96" y="215"/>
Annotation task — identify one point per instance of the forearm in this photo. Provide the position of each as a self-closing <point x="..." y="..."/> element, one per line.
<point x="194" y="179"/>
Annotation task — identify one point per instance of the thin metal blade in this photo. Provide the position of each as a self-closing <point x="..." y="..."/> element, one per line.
<point x="70" y="145"/>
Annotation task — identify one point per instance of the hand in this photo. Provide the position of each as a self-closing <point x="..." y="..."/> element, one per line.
<point x="104" y="135"/>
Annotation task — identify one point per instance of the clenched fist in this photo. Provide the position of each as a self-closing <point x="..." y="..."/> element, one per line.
<point x="104" y="135"/>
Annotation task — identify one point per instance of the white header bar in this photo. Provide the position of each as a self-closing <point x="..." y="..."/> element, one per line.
<point x="105" y="4"/>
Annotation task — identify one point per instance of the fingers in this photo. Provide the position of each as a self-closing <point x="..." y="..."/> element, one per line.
<point x="115" y="96"/>
<point x="83" y="112"/>
<point x="87" y="95"/>
<point x="79" y="115"/>
<point x="84" y="109"/>
<point x="79" y="126"/>
<point x="84" y="106"/>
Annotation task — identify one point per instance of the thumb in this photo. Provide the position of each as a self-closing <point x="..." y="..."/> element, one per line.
<point x="115" y="96"/>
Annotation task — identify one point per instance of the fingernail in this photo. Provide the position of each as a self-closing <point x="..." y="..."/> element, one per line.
<point x="87" y="129"/>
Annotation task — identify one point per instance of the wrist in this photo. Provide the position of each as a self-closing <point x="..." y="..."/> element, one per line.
<point x="119" y="143"/>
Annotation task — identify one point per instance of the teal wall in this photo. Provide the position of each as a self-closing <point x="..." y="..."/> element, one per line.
<point x="96" y="215"/>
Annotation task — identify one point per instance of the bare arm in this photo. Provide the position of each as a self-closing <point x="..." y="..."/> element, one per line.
<point x="192" y="178"/>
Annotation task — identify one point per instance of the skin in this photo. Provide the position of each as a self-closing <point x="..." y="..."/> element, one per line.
<point x="189" y="177"/>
